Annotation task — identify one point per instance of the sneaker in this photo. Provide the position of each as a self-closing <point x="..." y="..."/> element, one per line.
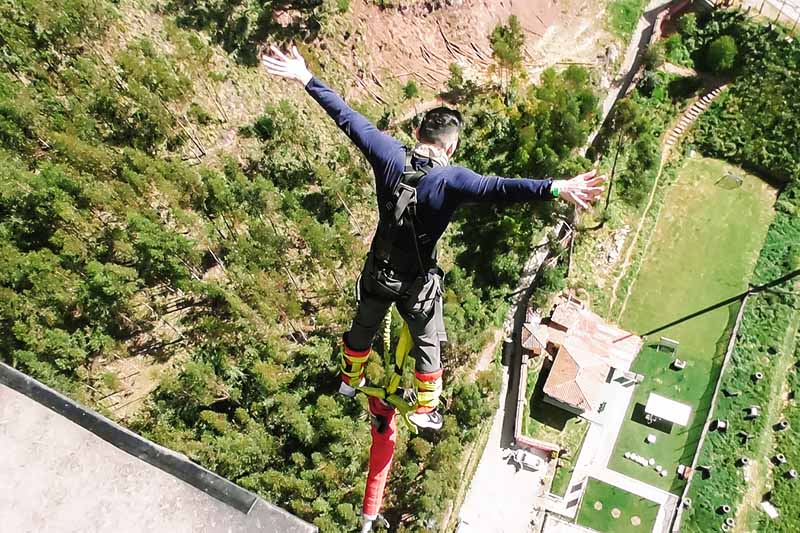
<point x="431" y="420"/>
<point x="345" y="389"/>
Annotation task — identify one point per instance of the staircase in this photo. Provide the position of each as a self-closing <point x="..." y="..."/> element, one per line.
<point x="690" y="115"/>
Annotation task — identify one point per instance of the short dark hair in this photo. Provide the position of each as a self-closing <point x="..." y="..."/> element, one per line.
<point x="439" y="124"/>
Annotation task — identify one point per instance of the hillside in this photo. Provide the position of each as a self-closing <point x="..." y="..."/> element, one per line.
<point x="181" y="235"/>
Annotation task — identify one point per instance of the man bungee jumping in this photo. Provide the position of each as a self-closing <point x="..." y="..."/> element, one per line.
<point x="418" y="192"/>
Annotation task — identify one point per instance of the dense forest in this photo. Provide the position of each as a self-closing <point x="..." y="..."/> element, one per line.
<point x="121" y="236"/>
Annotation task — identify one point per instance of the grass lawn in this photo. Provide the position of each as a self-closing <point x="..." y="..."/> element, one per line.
<point x="606" y="508"/>
<point x="704" y="249"/>
<point x="623" y="15"/>
<point x="552" y="424"/>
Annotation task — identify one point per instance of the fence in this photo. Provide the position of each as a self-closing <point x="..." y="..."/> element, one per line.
<point x="676" y="520"/>
<point x="787" y="12"/>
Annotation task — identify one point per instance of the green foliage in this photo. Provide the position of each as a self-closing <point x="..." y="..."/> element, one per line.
<point x="677" y="52"/>
<point x="640" y="119"/>
<point x="653" y="56"/>
<point x="721" y="54"/>
<point x="755" y="123"/>
<point x="536" y="138"/>
<point x="623" y="15"/>
<point x="240" y="26"/>
<point x="507" y="42"/>
<point x="787" y="442"/>
<point x="410" y="90"/>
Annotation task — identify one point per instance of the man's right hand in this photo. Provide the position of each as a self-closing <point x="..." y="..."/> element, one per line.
<point x="292" y="66"/>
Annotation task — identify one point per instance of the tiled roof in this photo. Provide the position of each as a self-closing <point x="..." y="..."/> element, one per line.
<point x="587" y="351"/>
<point x="534" y="336"/>
<point x="577" y="381"/>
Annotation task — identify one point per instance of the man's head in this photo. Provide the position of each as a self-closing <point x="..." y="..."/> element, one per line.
<point x="440" y="127"/>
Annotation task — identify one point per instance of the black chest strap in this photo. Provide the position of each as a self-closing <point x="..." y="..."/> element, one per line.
<point x="401" y="215"/>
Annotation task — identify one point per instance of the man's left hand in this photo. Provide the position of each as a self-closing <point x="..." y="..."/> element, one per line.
<point x="581" y="190"/>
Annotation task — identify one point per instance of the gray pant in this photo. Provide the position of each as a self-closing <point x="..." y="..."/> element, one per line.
<point x="419" y="302"/>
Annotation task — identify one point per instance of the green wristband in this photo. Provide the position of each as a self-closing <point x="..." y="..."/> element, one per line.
<point x="554" y="189"/>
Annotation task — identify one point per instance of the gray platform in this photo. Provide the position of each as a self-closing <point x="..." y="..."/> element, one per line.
<point x="58" y="476"/>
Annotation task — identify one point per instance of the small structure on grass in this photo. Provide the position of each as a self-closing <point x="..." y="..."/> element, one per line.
<point x="724" y="509"/>
<point x="685" y="472"/>
<point x="783" y="424"/>
<point x="719" y="425"/>
<point x="743" y="461"/>
<point x="661" y="408"/>
<point x="668" y="345"/>
<point x="679" y="364"/>
<point x="758" y="376"/>
<point x="752" y="412"/>
<point x="650" y="439"/>
<point x="770" y="509"/>
<point x="780" y="459"/>
<point x="791" y="474"/>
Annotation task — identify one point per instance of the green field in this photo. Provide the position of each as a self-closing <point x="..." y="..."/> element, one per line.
<point x="623" y="15"/>
<point x="600" y="501"/>
<point x="704" y="249"/>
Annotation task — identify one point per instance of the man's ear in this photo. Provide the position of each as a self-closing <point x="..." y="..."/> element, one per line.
<point x="451" y="148"/>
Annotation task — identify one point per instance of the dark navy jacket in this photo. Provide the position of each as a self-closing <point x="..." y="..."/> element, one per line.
<point x="442" y="190"/>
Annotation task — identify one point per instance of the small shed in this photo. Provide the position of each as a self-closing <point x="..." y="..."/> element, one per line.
<point x="661" y="408"/>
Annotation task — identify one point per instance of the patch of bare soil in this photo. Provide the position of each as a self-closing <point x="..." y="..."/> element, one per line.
<point x="420" y="42"/>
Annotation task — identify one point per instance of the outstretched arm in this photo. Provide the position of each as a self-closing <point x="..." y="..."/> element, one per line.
<point x="581" y="190"/>
<point x="381" y="150"/>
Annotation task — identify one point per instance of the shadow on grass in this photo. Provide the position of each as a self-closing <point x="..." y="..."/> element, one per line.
<point x="639" y="416"/>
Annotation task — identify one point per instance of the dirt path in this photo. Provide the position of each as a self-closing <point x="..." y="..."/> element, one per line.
<point x="632" y="246"/>
<point x="759" y="475"/>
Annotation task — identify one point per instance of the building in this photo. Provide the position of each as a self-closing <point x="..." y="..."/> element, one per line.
<point x="586" y="353"/>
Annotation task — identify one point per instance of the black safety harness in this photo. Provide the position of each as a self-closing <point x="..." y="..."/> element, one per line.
<point x="400" y="224"/>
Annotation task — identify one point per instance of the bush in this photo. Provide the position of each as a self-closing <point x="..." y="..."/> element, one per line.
<point x="653" y="57"/>
<point x="410" y="90"/>
<point x="721" y="54"/>
<point x="676" y="51"/>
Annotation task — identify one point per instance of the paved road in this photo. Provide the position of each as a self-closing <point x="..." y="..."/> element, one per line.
<point x="500" y="499"/>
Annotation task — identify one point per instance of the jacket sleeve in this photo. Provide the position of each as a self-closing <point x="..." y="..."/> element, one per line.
<point x="383" y="152"/>
<point x="468" y="186"/>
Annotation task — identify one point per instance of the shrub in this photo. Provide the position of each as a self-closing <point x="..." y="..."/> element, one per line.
<point x="410" y="90"/>
<point x="721" y="54"/>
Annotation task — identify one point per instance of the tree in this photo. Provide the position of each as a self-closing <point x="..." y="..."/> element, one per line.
<point x="721" y="54"/>
<point x="507" y="42"/>
<point x="410" y="90"/>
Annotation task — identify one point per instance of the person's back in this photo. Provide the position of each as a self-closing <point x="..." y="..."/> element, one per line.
<point x="417" y="197"/>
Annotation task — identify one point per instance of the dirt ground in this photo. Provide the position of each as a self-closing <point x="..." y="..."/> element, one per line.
<point x="419" y="42"/>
